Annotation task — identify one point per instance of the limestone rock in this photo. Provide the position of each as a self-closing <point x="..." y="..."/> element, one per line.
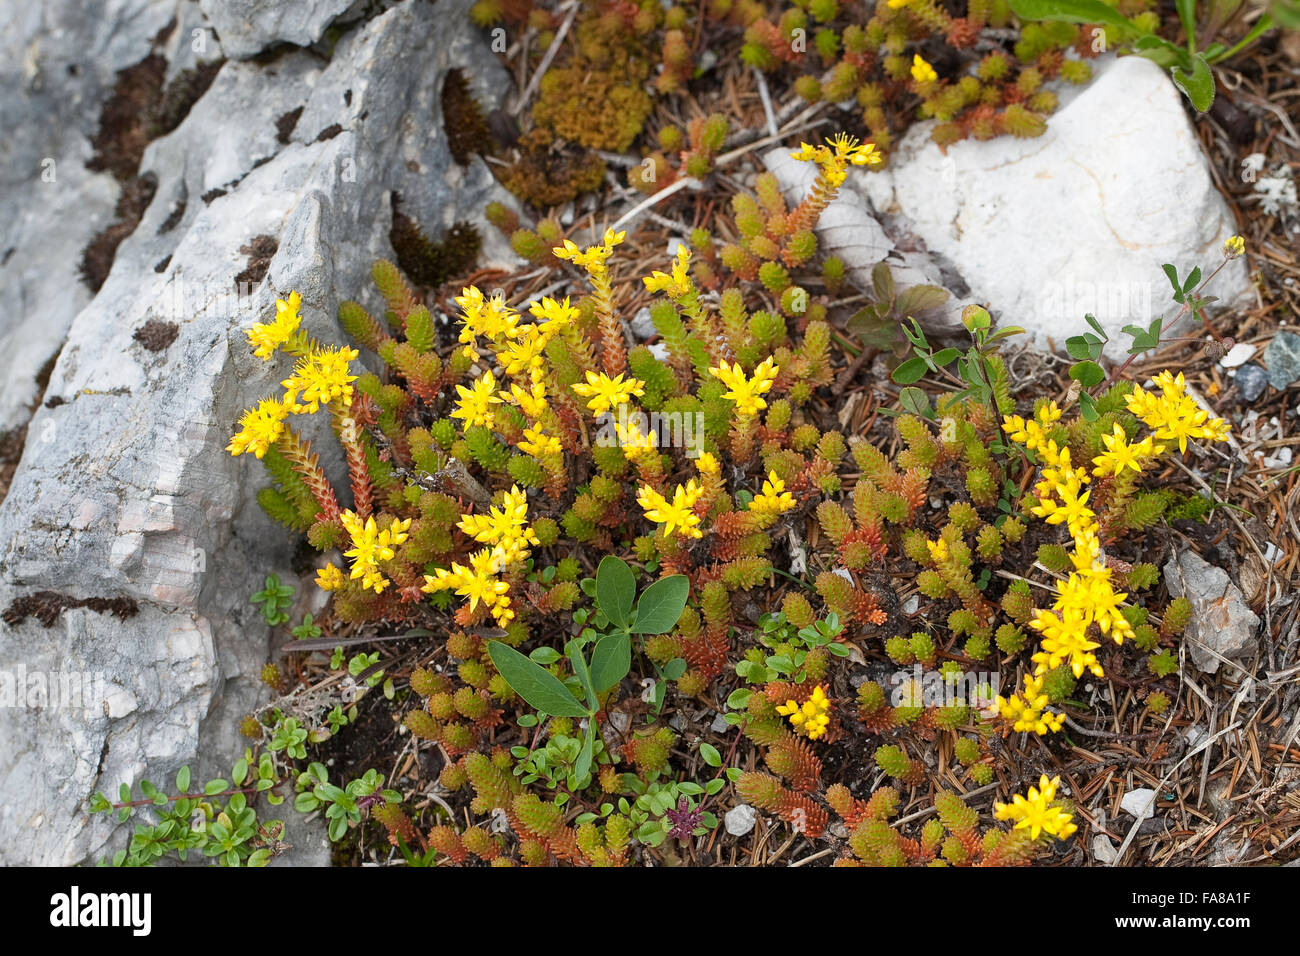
<point x="124" y="492"/>
<point x="1222" y="626"/>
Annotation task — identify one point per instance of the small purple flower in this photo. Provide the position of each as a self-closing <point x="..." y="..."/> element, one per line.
<point x="684" y="819"/>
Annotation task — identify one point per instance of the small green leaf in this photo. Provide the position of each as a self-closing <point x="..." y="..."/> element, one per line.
<point x="541" y="689"/>
<point x="912" y="370"/>
<point x="1198" y="85"/>
<point x="711" y="755"/>
<point x="945" y="357"/>
<point x="1077" y="346"/>
<point x="674" y="669"/>
<point x="615" y="589"/>
<point x="546" y="656"/>
<point x="661" y="605"/>
<point x="1087" y="374"/>
<point x="1072" y="11"/>
<point x="916" y="401"/>
<point x="183" y="779"/>
<point x="610" y="661"/>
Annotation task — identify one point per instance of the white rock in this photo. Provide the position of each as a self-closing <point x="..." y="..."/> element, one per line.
<point x="740" y="820"/>
<point x="1238" y="355"/>
<point x="911" y="604"/>
<point x="1140" y="803"/>
<point x="1077" y="220"/>
<point x="1103" y="851"/>
<point x="719" y="724"/>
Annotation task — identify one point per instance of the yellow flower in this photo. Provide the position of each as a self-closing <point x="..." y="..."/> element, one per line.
<point x="259" y="428"/>
<point x="552" y="316"/>
<point x="746" y="392"/>
<point x="812" y="718"/>
<point x="1119" y="454"/>
<point x="1035" y="813"/>
<point x="593" y="257"/>
<point x="938" y="550"/>
<point x="475" y="404"/>
<point x="370" y="546"/>
<point x="532" y="402"/>
<point x="481" y="316"/>
<point x="676" y="514"/>
<point x="329" y="578"/>
<point x="1173" y="414"/>
<point x="267" y="337"/>
<point x="839" y="152"/>
<point x="1234" y="246"/>
<point x="539" y="444"/>
<point x="708" y="464"/>
<point x="922" y="72"/>
<point x="1028" y="710"/>
<point x="774" y="499"/>
<point x="605" y="393"/>
<point x="1065" y="641"/>
<point x="633" y="443"/>
<point x="524" y="354"/>
<point x="319" y="379"/>
<point x="679" y="283"/>
<point x="896" y="4"/>
<point x="478" y="582"/>
<point x="506" y="527"/>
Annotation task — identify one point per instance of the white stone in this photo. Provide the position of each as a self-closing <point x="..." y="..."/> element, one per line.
<point x="1140" y="803"/>
<point x="719" y="724"/>
<point x="1077" y="220"/>
<point x="740" y="820"/>
<point x="1103" y="851"/>
<point x="1238" y="355"/>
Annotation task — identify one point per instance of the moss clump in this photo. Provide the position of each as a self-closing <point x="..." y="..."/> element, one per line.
<point x="432" y="263"/>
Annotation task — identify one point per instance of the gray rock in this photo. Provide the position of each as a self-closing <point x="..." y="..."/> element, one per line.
<point x="50" y="204"/>
<point x="1251" y="380"/>
<point x="124" y="490"/>
<point x="1283" y="359"/>
<point x="247" y="27"/>
<point x="1222" y="626"/>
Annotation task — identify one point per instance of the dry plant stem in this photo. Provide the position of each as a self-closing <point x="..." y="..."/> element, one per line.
<point x="545" y="65"/>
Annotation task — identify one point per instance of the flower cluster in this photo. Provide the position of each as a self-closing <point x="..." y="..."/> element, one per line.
<point x="837" y="155"/>
<point x="1087" y="597"/>
<point x="1173" y="414"/>
<point x="812" y="717"/>
<point x="677" y="514"/>
<point x="371" y="546"/>
<point x="1035" y="811"/>
<point x="507" y="533"/>
<point x="746" y="391"/>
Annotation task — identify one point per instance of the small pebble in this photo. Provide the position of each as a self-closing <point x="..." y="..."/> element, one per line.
<point x="1141" y="803"/>
<point x="719" y="724"/>
<point x="740" y="820"/>
<point x="1239" y="354"/>
<point x="1251" y="380"/>
<point x="1283" y="359"/>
